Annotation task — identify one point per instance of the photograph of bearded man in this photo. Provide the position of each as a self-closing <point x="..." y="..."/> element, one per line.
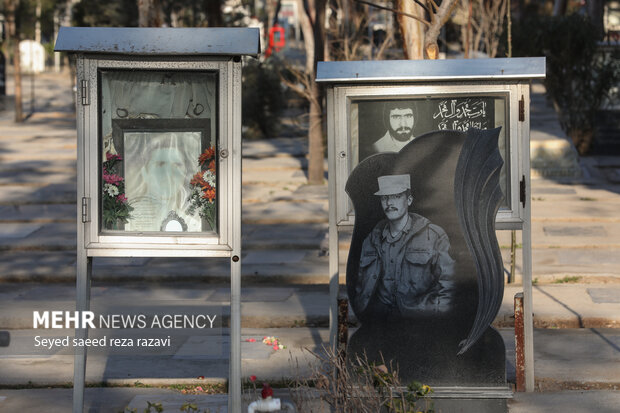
<point x="399" y="118"/>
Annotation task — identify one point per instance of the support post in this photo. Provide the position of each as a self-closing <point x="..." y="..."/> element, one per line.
<point x="519" y="343"/>
<point x="528" y="307"/>
<point x="84" y="273"/>
<point x="333" y="225"/>
<point x="234" y="122"/>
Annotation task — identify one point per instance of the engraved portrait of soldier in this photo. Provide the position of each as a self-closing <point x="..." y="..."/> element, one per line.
<point x="405" y="264"/>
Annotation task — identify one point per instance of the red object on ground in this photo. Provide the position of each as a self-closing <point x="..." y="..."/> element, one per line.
<point x="267" y="391"/>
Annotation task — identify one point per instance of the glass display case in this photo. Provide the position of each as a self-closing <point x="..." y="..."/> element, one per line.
<point x="158" y="151"/>
<point x="380" y="106"/>
<point x="159" y="138"/>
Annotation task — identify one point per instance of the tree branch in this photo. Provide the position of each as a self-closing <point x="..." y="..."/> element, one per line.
<point x="394" y="11"/>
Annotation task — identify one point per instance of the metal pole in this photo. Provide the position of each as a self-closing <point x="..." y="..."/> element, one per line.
<point x="84" y="272"/>
<point x="333" y="225"/>
<point x="234" y="110"/>
<point x="519" y="343"/>
<point x="528" y="307"/>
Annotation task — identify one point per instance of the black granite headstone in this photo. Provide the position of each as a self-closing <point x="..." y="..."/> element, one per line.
<point x="427" y="282"/>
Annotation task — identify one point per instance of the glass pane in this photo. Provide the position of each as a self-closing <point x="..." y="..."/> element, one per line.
<point x="387" y="125"/>
<point x="158" y="151"/>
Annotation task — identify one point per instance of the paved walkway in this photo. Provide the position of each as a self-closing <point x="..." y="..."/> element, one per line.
<point x="576" y="267"/>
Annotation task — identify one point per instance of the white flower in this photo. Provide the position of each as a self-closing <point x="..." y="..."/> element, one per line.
<point x="209" y="177"/>
<point x="112" y="190"/>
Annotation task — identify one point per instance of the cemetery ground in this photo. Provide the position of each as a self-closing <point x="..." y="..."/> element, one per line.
<point x="576" y="271"/>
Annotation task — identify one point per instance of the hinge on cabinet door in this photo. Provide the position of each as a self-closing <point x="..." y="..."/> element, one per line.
<point x="522" y="190"/>
<point x="522" y="109"/>
<point x="84" y="92"/>
<point x="85" y="210"/>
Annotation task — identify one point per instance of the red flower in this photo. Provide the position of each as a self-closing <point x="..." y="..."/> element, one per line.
<point x="121" y="198"/>
<point x="110" y="156"/>
<point x="209" y="194"/>
<point x="207" y="155"/>
<point x="198" y="180"/>
<point x="267" y="391"/>
<point x="252" y="378"/>
<point x="112" y="178"/>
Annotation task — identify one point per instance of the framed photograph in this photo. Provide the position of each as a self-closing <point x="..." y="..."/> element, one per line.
<point x="388" y="125"/>
<point x="377" y="121"/>
<point x="162" y="177"/>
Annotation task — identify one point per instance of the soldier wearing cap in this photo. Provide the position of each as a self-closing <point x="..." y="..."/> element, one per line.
<point x="405" y="265"/>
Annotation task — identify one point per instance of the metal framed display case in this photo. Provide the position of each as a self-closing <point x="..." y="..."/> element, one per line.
<point x="371" y="102"/>
<point x="159" y="152"/>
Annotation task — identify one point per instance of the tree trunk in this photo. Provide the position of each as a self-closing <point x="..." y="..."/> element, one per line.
<point x="214" y="13"/>
<point x="13" y="37"/>
<point x="412" y="31"/>
<point x="596" y="9"/>
<point x="314" y="37"/>
<point x="559" y="7"/>
<point x="149" y="13"/>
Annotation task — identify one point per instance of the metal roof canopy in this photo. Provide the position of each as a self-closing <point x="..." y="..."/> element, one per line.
<point x="369" y="71"/>
<point x="230" y="41"/>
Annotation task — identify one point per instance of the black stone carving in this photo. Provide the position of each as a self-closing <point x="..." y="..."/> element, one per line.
<point x="455" y="186"/>
<point x="477" y="195"/>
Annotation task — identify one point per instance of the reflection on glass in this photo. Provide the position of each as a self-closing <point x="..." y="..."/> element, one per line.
<point x="157" y="179"/>
<point x="157" y="131"/>
<point x="387" y="125"/>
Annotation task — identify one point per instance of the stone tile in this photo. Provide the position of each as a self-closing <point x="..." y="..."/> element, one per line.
<point x="254" y="294"/>
<point x="120" y="262"/>
<point x="605" y="295"/>
<point x="552" y="191"/>
<point x="256" y="350"/>
<point x="572" y="231"/>
<point x="208" y="347"/>
<point x="591" y="257"/>
<point x="274" y="257"/>
<point x="39" y="213"/>
<point x="17" y="231"/>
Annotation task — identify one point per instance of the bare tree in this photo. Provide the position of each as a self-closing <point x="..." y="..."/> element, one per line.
<point x="11" y="7"/>
<point x="312" y="22"/>
<point x="149" y="13"/>
<point x="214" y="13"/>
<point x="435" y="17"/>
<point x="482" y="24"/>
<point x="348" y="33"/>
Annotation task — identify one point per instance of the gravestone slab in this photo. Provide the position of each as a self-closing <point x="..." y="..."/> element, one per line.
<point x="207" y="347"/>
<point x="564" y="231"/>
<point x="262" y="294"/>
<point x="592" y="257"/>
<point x="424" y="271"/>
<point x="553" y="191"/>
<point x="16" y="230"/>
<point x="605" y="295"/>
<point x="120" y="262"/>
<point x="274" y="257"/>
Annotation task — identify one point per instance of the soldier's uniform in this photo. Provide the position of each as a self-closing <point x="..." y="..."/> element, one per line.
<point x="405" y="274"/>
